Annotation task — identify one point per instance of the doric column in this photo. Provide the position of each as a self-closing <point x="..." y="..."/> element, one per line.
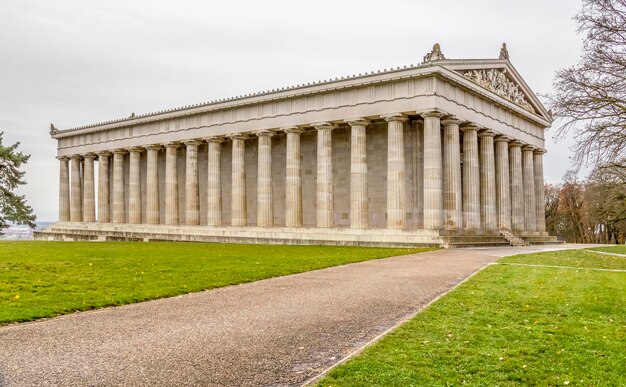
<point x="192" y="201"/>
<point x="433" y="182"/>
<point x="104" y="188"/>
<point x="503" y="191"/>
<point x="264" y="200"/>
<point x="134" y="186"/>
<point x="539" y="190"/>
<point x="517" y="190"/>
<point x="528" y="178"/>
<point x="89" y="194"/>
<point x="239" y="216"/>
<point x="64" y="189"/>
<point x="118" y="186"/>
<point x="471" y="179"/>
<point x="171" y="183"/>
<point x="293" y="180"/>
<point x="214" y="182"/>
<point x="452" y="188"/>
<point x="359" y="209"/>
<point x="76" y="208"/>
<point x="325" y="194"/>
<point x="488" y="182"/>
<point x="396" y="181"/>
<point x="418" y="165"/>
<point x="153" y="215"/>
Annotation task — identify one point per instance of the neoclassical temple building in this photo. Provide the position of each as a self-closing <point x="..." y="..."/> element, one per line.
<point x="447" y="152"/>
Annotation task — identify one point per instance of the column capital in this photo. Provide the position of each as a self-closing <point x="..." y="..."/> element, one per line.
<point x="173" y="144"/>
<point x="103" y="153"/>
<point x="265" y="133"/>
<point x="528" y="148"/>
<point x="357" y="121"/>
<point x="515" y="144"/>
<point x="89" y="155"/>
<point x="433" y="113"/>
<point x="76" y="157"/>
<point x="470" y="127"/>
<point x="323" y="126"/>
<point x="192" y="142"/>
<point x="135" y="149"/>
<point x="239" y="136"/>
<point x="451" y="120"/>
<point x="153" y="147"/>
<point x="292" y="129"/>
<point x="487" y="133"/>
<point x="62" y="158"/>
<point x="502" y="138"/>
<point x="539" y="151"/>
<point x="215" y="139"/>
<point x="395" y="117"/>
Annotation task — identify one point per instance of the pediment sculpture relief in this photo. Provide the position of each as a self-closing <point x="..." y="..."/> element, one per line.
<point x="497" y="81"/>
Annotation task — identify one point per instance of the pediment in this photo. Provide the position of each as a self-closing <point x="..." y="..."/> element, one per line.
<point x="499" y="82"/>
<point x="499" y="77"/>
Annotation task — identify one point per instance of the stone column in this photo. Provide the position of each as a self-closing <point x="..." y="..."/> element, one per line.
<point x="503" y="192"/>
<point x="264" y="204"/>
<point x="396" y="179"/>
<point x="418" y="165"/>
<point x="192" y="192"/>
<point x="433" y="182"/>
<point x="171" y="183"/>
<point x="471" y="179"/>
<point x="64" y="189"/>
<point x="153" y="215"/>
<point x="238" y="191"/>
<point x="118" y="186"/>
<point x="452" y="188"/>
<point x="488" y="182"/>
<point x="539" y="190"/>
<point x="325" y="194"/>
<point x="293" y="180"/>
<point x="359" y="208"/>
<point x="517" y="190"/>
<point x="76" y="210"/>
<point x="214" y="182"/>
<point x="134" y="186"/>
<point x="104" y="187"/>
<point x="89" y="194"/>
<point x="528" y="178"/>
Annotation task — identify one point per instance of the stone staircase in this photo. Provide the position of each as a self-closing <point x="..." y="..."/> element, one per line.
<point x="513" y="239"/>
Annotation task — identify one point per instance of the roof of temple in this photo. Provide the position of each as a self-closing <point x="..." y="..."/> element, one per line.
<point x="495" y="75"/>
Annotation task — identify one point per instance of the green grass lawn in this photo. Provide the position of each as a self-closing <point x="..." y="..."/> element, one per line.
<point x="510" y="325"/>
<point x="617" y="249"/>
<point x="44" y="279"/>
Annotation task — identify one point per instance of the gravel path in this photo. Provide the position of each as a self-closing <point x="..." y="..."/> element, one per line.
<point x="280" y="331"/>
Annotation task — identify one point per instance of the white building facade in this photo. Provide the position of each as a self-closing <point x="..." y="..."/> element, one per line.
<point x="442" y="152"/>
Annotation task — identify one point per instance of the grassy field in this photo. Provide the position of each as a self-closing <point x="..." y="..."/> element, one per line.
<point x="510" y="325"/>
<point x="620" y="249"/>
<point x="44" y="279"/>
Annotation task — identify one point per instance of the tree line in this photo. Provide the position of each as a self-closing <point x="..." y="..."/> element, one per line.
<point x="592" y="210"/>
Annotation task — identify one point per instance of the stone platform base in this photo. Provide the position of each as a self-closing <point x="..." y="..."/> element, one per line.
<point x="74" y="231"/>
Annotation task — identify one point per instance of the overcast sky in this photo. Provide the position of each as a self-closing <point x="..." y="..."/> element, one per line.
<point x="79" y="62"/>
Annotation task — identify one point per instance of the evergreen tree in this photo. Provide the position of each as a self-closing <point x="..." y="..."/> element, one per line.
<point x="13" y="207"/>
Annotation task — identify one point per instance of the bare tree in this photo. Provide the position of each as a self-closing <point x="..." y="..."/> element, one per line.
<point x="589" y="98"/>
